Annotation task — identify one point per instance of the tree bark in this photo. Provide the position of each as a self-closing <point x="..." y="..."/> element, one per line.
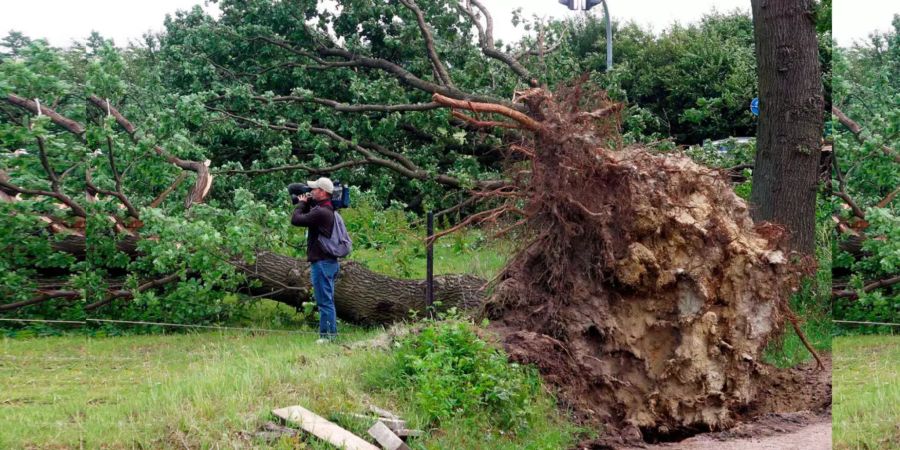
<point x="360" y="295"/>
<point x="791" y="118"/>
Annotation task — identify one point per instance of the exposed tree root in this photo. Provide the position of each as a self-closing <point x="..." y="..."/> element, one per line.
<point x="645" y="293"/>
<point x="795" y="323"/>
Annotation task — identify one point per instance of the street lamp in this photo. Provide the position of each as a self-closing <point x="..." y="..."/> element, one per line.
<point x="586" y="5"/>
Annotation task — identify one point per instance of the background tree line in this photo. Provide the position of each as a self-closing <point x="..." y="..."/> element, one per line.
<point x="866" y="178"/>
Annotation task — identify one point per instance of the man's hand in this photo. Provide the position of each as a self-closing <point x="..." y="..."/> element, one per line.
<point x="299" y="198"/>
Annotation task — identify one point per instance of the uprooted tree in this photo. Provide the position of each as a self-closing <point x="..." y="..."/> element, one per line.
<point x="644" y="290"/>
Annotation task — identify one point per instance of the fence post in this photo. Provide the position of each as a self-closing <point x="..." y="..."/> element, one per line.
<point x="429" y="266"/>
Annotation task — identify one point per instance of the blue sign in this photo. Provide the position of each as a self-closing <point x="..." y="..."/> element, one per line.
<point x="754" y="106"/>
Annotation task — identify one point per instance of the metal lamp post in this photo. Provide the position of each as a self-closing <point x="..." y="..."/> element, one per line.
<point x="586" y="5"/>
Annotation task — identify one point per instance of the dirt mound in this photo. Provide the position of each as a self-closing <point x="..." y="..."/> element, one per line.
<point x="802" y="388"/>
<point x="647" y="294"/>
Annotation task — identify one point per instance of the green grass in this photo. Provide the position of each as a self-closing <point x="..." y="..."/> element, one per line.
<point x="208" y="390"/>
<point x="789" y="351"/>
<point x="812" y="305"/>
<point x="462" y="252"/>
<point x="866" y="382"/>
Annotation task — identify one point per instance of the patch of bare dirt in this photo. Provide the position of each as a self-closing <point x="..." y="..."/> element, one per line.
<point x="802" y="388"/>
<point x="780" y="432"/>
<point x="791" y="410"/>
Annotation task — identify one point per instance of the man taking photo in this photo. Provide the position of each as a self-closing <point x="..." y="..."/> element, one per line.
<point x="315" y="211"/>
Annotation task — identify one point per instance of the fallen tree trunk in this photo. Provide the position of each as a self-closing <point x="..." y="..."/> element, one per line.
<point x="360" y="295"/>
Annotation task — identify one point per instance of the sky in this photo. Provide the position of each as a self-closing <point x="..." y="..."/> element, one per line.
<point x="61" y="21"/>
<point x="854" y="20"/>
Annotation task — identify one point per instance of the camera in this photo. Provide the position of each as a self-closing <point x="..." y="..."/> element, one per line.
<point x="340" y="198"/>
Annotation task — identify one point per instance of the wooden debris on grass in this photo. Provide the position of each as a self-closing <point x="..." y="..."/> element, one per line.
<point x="397" y="426"/>
<point x="394" y="422"/>
<point x="383" y="412"/>
<point x="323" y="429"/>
<point x="272" y="431"/>
<point x="386" y="437"/>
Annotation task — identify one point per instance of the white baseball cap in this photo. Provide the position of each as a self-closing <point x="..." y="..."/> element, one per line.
<point x="323" y="183"/>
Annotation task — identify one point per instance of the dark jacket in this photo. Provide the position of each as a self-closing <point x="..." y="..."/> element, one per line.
<point x="320" y="220"/>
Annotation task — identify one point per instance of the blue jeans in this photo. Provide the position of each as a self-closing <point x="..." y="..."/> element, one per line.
<point x="323" y="274"/>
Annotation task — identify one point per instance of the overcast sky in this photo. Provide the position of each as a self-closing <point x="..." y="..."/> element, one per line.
<point x="61" y="21"/>
<point x="854" y="20"/>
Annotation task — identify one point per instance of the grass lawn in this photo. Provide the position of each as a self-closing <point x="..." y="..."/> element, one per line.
<point x="207" y="390"/>
<point x="454" y="254"/>
<point x="790" y="351"/>
<point x="866" y="380"/>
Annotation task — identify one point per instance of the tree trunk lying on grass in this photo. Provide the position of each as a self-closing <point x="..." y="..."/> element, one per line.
<point x="360" y="295"/>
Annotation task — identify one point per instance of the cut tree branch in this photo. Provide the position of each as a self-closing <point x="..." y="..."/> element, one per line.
<point x="132" y="211"/>
<point x="854" y="294"/>
<point x="856" y="129"/>
<point x="483" y="123"/>
<point x="69" y="124"/>
<point x="439" y="69"/>
<point x="888" y="198"/>
<point x="41" y="298"/>
<point x="369" y="155"/>
<point x="351" y="59"/>
<point x="519" y="117"/>
<point x="540" y="51"/>
<point x="76" y="208"/>
<point x="125" y="293"/>
<point x="842" y="191"/>
<point x="162" y="195"/>
<point x="345" y="107"/>
<point x="486" y="39"/>
<point x="204" y="178"/>
<point x="304" y="167"/>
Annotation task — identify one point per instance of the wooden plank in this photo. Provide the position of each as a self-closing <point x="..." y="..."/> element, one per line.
<point x="393" y="424"/>
<point x="386" y="437"/>
<point x="397" y="426"/>
<point x="383" y="412"/>
<point x="361" y="416"/>
<point x="406" y="432"/>
<point x="323" y="429"/>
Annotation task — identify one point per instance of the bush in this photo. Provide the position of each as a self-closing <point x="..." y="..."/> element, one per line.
<point x="452" y="373"/>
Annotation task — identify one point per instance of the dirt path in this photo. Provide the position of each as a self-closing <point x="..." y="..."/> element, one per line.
<point x="815" y="436"/>
<point x="792" y="411"/>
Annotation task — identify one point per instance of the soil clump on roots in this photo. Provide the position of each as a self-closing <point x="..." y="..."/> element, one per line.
<point x="646" y="294"/>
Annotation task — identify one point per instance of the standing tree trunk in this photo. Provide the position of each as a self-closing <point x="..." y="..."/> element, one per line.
<point x="791" y="118"/>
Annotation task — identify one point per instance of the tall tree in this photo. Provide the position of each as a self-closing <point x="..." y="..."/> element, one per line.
<point x="791" y="118"/>
<point x="14" y="42"/>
